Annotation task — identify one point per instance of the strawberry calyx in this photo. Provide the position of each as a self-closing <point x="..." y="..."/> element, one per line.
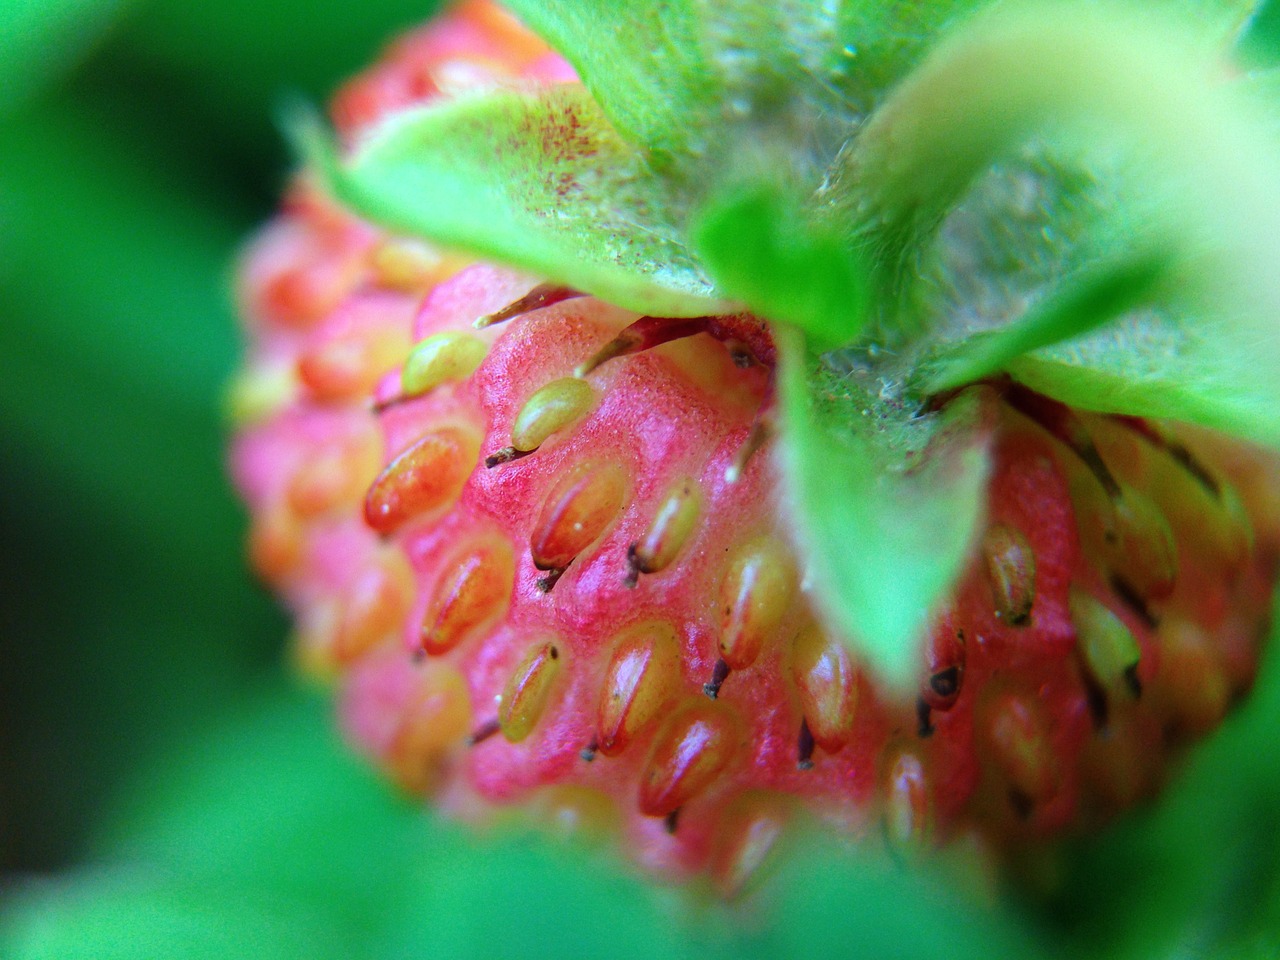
<point x="841" y="183"/>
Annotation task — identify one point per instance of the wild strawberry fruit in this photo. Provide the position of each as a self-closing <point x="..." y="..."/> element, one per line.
<point x="813" y="463"/>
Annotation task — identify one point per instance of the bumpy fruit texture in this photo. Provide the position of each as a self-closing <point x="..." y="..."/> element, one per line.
<point x="546" y="556"/>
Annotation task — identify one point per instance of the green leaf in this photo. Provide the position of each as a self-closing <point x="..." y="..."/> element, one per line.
<point x="1206" y="187"/>
<point x="42" y="38"/>
<point x="1149" y="366"/>
<point x="540" y="182"/>
<point x="692" y="80"/>
<point x="646" y="64"/>
<point x="132" y="913"/>
<point x="763" y="251"/>
<point x="664" y="70"/>
<point x="879" y="42"/>
<point x="887" y="505"/>
<point x="1228" y="18"/>
<point x="1001" y="79"/>
<point x="117" y="340"/>
<point x="1099" y="294"/>
<point x="1259" y="45"/>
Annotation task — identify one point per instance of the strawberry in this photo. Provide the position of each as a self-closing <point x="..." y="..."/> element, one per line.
<point x="822" y="446"/>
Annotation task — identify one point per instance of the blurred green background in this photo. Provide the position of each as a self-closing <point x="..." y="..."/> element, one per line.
<point x="166" y="790"/>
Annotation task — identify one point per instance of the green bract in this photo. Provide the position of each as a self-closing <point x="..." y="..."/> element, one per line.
<point x="787" y="266"/>
<point x="885" y="504"/>
<point x="647" y="67"/>
<point x="1096" y="295"/>
<point x="847" y="171"/>
<point x="538" y="181"/>
<point x="1199" y="349"/>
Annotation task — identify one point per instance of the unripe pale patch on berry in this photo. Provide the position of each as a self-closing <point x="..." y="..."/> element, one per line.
<point x="1197" y="501"/>
<point x="747" y="833"/>
<point x="529" y="690"/>
<point x="1109" y="649"/>
<point x="826" y="683"/>
<point x="642" y="677"/>
<point x="311" y="643"/>
<point x="576" y="512"/>
<point x="373" y="607"/>
<point x="692" y="750"/>
<point x="471" y="75"/>
<point x="442" y="358"/>
<point x="422" y="481"/>
<point x="559" y="404"/>
<point x="1011" y="573"/>
<point x="472" y="595"/>
<point x="575" y="812"/>
<point x="674" y="522"/>
<point x="1218" y="527"/>
<point x="1020" y="747"/>
<point x="754" y="597"/>
<point x="1234" y="528"/>
<point x="908" y="804"/>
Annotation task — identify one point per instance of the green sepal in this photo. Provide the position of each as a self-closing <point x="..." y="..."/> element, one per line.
<point x="790" y="268"/>
<point x="1228" y="18"/>
<point x="886" y="505"/>
<point x="1099" y="294"/>
<point x="538" y="181"/>
<point x="1199" y="378"/>
<point x="694" y="82"/>
<point x="879" y="42"/>
<point x="1005" y="77"/>
<point x="1202" y="183"/>
<point x="645" y="63"/>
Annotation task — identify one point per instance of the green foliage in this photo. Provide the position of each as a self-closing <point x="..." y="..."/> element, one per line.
<point x="674" y="76"/>
<point x="127" y="609"/>
<point x="485" y="173"/>
<point x="541" y="182"/>
<point x="230" y="64"/>
<point x="886" y="504"/>
<point x="647" y="63"/>
<point x="1104" y="80"/>
<point x="41" y="39"/>
<point x="1097" y="295"/>
<point x="762" y="251"/>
